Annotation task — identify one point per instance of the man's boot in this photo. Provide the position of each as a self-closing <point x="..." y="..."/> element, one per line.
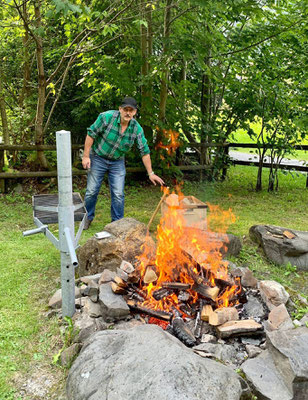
<point x="87" y="224"/>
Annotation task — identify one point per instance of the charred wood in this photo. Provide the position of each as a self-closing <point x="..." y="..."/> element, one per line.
<point x="159" y="294"/>
<point x="206" y="291"/>
<point x="176" y="285"/>
<point x="148" y="311"/>
<point x="182" y="332"/>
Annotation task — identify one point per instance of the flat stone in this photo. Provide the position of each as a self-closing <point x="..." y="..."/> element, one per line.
<point x="273" y="293"/>
<point x="252" y="350"/>
<point x="56" y="299"/>
<point x="279" y="318"/>
<point x="266" y="381"/>
<point x="113" y="305"/>
<point x="304" y="320"/>
<point x="92" y="291"/>
<point x="289" y="350"/>
<point x="148" y="363"/>
<point x="234" y="328"/>
<point x="247" y="278"/>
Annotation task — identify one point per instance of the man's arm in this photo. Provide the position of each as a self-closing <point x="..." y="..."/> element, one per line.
<point x="146" y="159"/>
<point x="86" y="162"/>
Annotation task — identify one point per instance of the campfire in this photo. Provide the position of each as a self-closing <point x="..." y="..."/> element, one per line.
<point x="185" y="281"/>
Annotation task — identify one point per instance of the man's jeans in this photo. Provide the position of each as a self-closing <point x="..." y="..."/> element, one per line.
<point x="116" y="179"/>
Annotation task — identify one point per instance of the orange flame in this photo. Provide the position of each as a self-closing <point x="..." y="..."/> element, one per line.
<point x="186" y="253"/>
<point x="171" y="137"/>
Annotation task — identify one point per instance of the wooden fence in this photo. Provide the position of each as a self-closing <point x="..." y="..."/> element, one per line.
<point x="200" y="167"/>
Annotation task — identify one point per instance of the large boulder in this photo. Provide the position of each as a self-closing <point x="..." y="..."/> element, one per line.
<point x="125" y="243"/>
<point x="148" y="363"/>
<point x="282" y="245"/>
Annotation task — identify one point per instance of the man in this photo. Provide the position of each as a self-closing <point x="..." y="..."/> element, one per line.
<point x="108" y="139"/>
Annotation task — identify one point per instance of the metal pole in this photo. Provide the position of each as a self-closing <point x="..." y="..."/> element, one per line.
<point x="66" y="220"/>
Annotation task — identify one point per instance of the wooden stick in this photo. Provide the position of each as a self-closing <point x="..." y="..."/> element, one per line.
<point x="153" y="313"/>
<point x="157" y="208"/>
<point x="176" y="285"/>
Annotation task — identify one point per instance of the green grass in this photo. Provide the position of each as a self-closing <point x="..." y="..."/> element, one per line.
<point x="30" y="267"/>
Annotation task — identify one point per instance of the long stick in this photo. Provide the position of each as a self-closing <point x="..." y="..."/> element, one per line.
<point x="157" y="208"/>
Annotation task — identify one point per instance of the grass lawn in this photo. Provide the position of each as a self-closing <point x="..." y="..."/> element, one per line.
<point x="30" y="267"/>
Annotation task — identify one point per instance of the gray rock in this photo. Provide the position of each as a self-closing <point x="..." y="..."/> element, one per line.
<point x="87" y="326"/>
<point x="222" y="352"/>
<point x="282" y="245"/>
<point x="304" y="320"/>
<point x="113" y="305"/>
<point x="89" y="278"/>
<point x="56" y="299"/>
<point x="289" y="350"/>
<point x="132" y="323"/>
<point x="254" y="308"/>
<point x="279" y="318"/>
<point x="147" y="363"/>
<point x="273" y="293"/>
<point x="252" y="350"/>
<point x="247" y="278"/>
<point x="265" y="379"/>
<point x="68" y="355"/>
<point x="93" y="309"/>
<point x="207" y="338"/>
<point x="106" y="276"/>
<point x="92" y="291"/>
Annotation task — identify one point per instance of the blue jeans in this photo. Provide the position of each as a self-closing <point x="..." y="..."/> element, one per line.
<point x="116" y="178"/>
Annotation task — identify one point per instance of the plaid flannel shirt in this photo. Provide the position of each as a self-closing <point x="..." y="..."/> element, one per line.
<point x="109" y="142"/>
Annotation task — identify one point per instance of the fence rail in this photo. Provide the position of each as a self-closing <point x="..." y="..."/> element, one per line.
<point x="201" y="167"/>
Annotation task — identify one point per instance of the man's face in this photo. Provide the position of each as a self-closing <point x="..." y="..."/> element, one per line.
<point x="127" y="113"/>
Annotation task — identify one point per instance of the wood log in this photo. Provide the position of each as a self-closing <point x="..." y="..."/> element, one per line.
<point x="133" y="277"/>
<point x="222" y="315"/>
<point x="141" y="293"/>
<point x="237" y="328"/>
<point x="149" y="276"/>
<point x="153" y="313"/>
<point x="206" y="311"/>
<point x="120" y="282"/>
<point x="176" y="285"/>
<point x="182" y="332"/>
<point x="117" y="289"/>
<point x="206" y="291"/>
<point x="159" y="294"/>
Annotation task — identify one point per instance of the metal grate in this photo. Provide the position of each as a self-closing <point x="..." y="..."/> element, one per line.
<point x="52" y="200"/>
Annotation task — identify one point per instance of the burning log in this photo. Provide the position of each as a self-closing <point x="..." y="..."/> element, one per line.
<point x="140" y="292"/>
<point x="222" y="315"/>
<point x="176" y="285"/>
<point x="222" y="283"/>
<point x="117" y="289"/>
<point x="149" y="276"/>
<point x="206" y="291"/>
<point x="153" y="313"/>
<point x="133" y="277"/>
<point x="206" y="311"/>
<point x="182" y="332"/>
<point x="159" y="294"/>
<point x="242" y="327"/>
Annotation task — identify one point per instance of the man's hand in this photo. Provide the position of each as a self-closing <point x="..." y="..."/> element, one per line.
<point x="156" y="179"/>
<point x="86" y="162"/>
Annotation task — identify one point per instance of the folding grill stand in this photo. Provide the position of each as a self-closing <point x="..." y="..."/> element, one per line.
<point x="64" y="209"/>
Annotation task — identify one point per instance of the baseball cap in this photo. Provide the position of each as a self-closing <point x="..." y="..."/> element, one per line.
<point x="129" y="102"/>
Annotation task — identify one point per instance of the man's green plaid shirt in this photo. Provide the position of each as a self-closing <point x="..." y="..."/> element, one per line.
<point x="109" y="142"/>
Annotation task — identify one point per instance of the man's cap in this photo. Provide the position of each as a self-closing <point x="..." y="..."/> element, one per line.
<point x="129" y="102"/>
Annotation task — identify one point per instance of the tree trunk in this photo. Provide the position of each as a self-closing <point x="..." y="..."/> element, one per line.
<point x="206" y="107"/>
<point x="5" y="126"/>
<point x="39" y="120"/>
<point x="165" y="72"/>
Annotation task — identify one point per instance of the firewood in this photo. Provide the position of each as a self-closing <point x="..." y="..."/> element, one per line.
<point x="133" y="277"/>
<point x="139" y="291"/>
<point x="127" y="267"/>
<point x="119" y="281"/>
<point x="222" y="315"/>
<point x="149" y="276"/>
<point x="206" y="311"/>
<point x="117" y="289"/>
<point x="153" y="313"/>
<point x="182" y="332"/>
<point x="206" y="291"/>
<point x="223" y="283"/>
<point x="176" y="285"/>
<point x="242" y="327"/>
<point x="159" y="294"/>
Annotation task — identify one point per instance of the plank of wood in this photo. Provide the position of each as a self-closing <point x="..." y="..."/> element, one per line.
<point x="222" y="315"/>
<point x="206" y="311"/>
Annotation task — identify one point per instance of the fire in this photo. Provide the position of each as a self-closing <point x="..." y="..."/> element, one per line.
<point x="171" y="138"/>
<point x="187" y="255"/>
